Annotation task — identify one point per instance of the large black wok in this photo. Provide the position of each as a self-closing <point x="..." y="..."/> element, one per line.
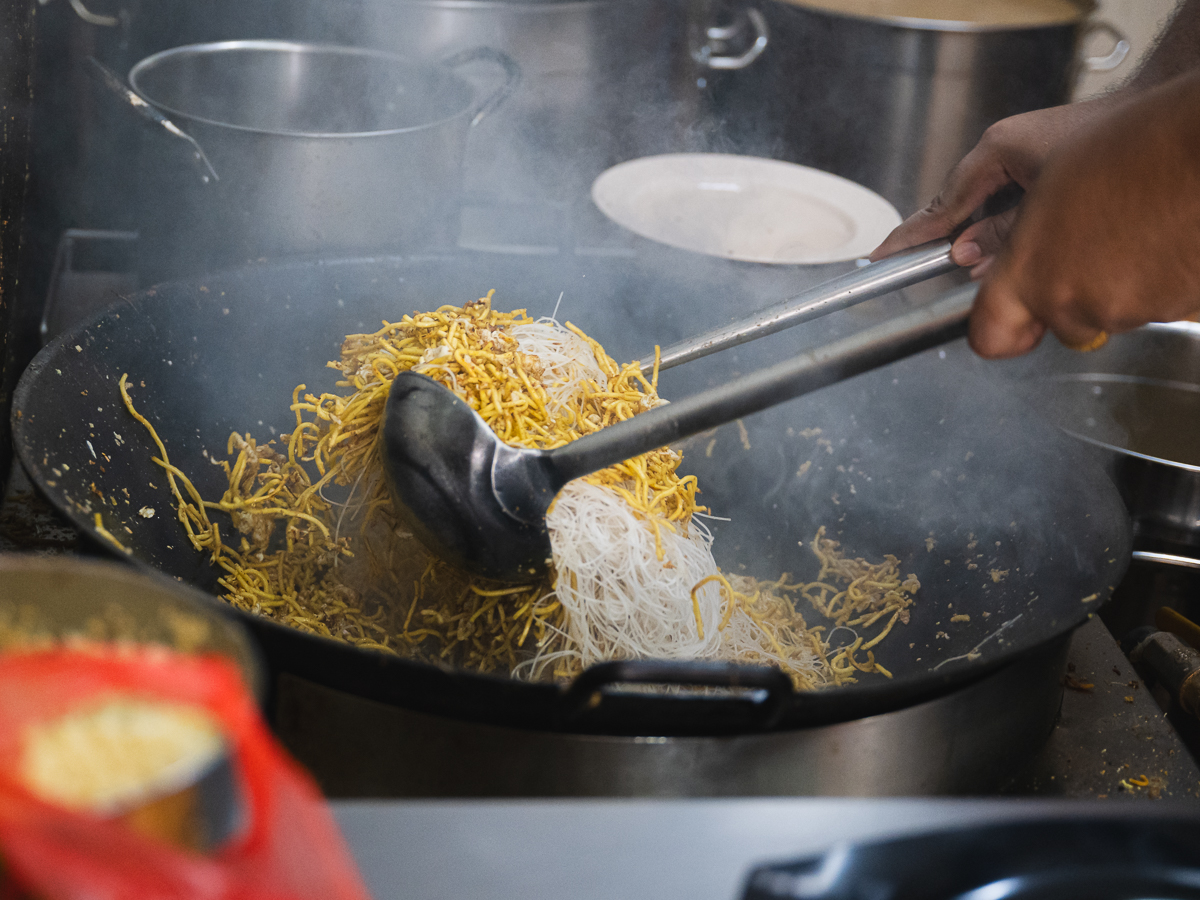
<point x="929" y="448"/>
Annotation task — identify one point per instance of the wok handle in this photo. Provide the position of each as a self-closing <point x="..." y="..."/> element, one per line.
<point x="874" y="280"/>
<point x="512" y="76"/>
<point x="771" y="687"/>
<point x="939" y="322"/>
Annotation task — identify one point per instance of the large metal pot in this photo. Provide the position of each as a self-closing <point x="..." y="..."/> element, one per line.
<point x="316" y="148"/>
<point x="1137" y="400"/>
<point x="888" y="101"/>
<point x="592" y="69"/>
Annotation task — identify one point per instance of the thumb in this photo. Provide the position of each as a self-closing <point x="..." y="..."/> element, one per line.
<point x="987" y="236"/>
<point x="968" y="185"/>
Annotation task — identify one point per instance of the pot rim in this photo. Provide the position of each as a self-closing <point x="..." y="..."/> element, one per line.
<point x="302" y="47"/>
<point x="1188" y="329"/>
<point x="1085" y="9"/>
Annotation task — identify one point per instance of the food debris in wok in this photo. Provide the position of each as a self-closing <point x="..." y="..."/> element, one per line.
<point x="314" y="543"/>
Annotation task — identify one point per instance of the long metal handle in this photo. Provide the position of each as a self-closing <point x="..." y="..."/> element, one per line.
<point x="118" y="87"/>
<point x="875" y="280"/>
<point x="941" y="321"/>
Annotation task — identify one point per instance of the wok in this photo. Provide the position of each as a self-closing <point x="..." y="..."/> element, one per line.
<point x="928" y="448"/>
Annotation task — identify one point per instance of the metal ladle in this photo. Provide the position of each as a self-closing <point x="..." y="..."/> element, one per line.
<point x="481" y="505"/>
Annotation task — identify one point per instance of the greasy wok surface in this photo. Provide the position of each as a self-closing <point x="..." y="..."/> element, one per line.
<point x="1028" y="536"/>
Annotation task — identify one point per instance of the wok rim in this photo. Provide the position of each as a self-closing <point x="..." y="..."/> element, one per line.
<point x="804" y="709"/>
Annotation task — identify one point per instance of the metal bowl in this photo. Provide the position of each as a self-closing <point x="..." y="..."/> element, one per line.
<point x="1137" y="400"/>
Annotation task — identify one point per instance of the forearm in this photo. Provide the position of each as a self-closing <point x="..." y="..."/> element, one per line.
<point x="1176" y="51"/>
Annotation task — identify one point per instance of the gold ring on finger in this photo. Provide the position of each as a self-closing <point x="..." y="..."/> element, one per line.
<point x="1095" y="343"/>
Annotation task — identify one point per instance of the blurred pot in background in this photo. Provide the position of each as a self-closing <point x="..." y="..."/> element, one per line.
<point x="890" y="95"/>
<point x="317" y="148"/>
<point x="588" y="65"/>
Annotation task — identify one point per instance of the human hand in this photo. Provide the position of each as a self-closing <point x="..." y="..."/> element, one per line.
<point x="1012" y="151"/>
<point x="1109" y="236"/>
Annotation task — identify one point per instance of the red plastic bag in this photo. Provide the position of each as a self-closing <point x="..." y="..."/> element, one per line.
<point x="289" y="848"/>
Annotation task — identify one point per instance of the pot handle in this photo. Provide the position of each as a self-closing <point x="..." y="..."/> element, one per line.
<point x="770" y="688"/>
<point x="1166" y="559"/>
<point x="512" y="76"/>
<point x="114" y="83"/>
<point x="711" y="54"/>
<point x="1119" y="51"/>
<point x="88" y="16"/>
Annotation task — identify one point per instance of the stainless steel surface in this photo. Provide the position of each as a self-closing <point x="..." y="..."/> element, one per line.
<point x="1137" y="399"/>
<point x="480" y="504"/>
<point x="113" y="82"/>
<point x="893" y="104"/>
<point x="592" y="70"/>
<point x="969" y="741"/>
<point x="681" y="850"/>
<point x="847" y="290"/>
<point x="320" y="148"/>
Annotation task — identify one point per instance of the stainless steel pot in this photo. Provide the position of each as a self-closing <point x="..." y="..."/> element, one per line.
<point x="1137" y="399"/>
<point x="316" y="147"/>
<point x="967" y="742"/>
<point x="890" y="102"/>
<point x="595" y="75"/>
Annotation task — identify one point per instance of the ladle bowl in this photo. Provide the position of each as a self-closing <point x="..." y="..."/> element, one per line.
<point x="481" y="505"/>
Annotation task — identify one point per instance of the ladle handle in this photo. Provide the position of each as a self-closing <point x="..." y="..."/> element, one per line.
<point x="941" y="321"/>
<point x="874" y="280"/>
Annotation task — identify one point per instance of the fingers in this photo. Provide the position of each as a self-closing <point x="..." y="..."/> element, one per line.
<point x="1001" y="325"/>
<point x="1015" y="307"/>
<point x="983" y="239"/>
<point x="980" y="174"/>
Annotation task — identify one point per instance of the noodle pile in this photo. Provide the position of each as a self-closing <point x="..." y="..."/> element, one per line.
<point x="316" y="545"/>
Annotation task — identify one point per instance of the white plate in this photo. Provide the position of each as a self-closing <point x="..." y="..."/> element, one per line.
<point x="745" y="208"/>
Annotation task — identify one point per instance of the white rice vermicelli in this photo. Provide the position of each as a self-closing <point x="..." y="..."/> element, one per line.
<point x="622" y="601"/>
